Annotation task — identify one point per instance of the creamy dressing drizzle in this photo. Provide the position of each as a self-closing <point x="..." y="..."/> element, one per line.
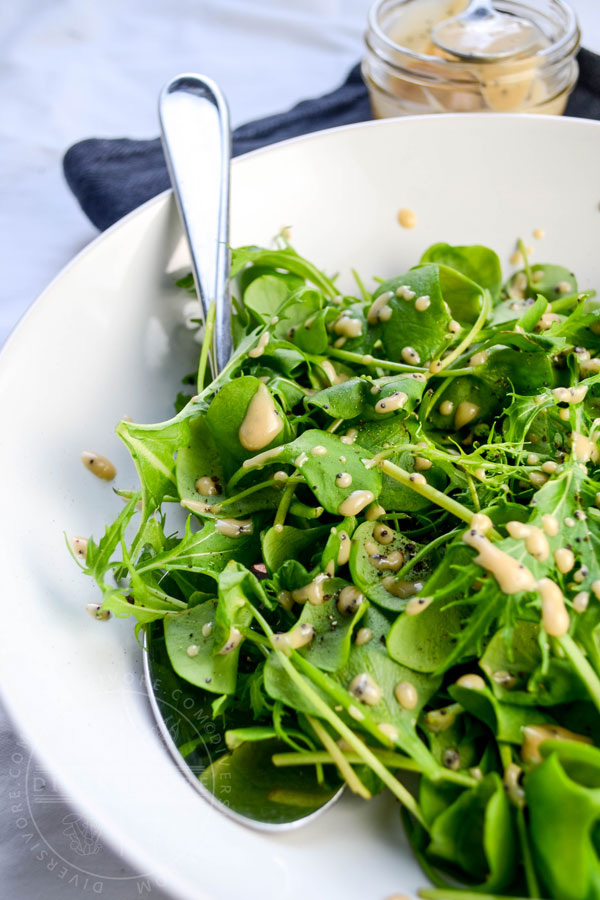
<point x="347" y="327"/>
<point x="570" y="395"/>
<point x="374" y="512"/>
<point x="299" y="636"/>
<point x="234" y="527"/>
<point x="392" y="403"/>
<point x="547" y="320"/>
<point x="350" y="598"/>
<point x="383" y="534"/>
<point x="285" y="599"/>
<point x="79" y="546"/>
<point x="512" y="775"/>
<point x="536" y="541"/>
<point x="538" y="478"/>
<point x="350" y="436"/>
<point x="465" y="413"/>
<point x="390" y="563"/>
<point x="564" y="559"/>
<point x="422" y="303"/>
<point x="555" y="618"/>
<point x="407" y="218"/>
<point x="410" y="355"/>
<point x="550" y="525"/>
<point x="380" y="311"/>
<point x="590" y="366"/>
<point x="511" y="575"/>
<point x="96" y="612"/>
<point x="261" y="458"/>
<point x="344" y="550"/>
<point x="416" y="605"/>
<point x="198" y="506"/>
<point x="205" y="486"/>
<point x="422" y="464"/>
<point x="402" y="589"/>
<point x="354" y="503"/>
<point x="363" y="636"/>
<point x="343" y="480"/>
<point x="318" y="451"/>
<point x="442" y="719"/>
<point x="365" y="689"/>
<point x="481" y="523"/>
<point x="405" y="292"/>
<point x="99" y="465"/>
<point x="233" y="641"/>
<point x="479" y="358"/>
<point x="262" y="423"/>
<point x="313" y="592"/>
<point x="260" y="347"/>
<point x="584" y="449"/>
<point x="389" y="730"/>
<point x="406" y="694"/>
<point x="535" y="735"/>
<point x="471" y="681"/>
<point x="334" y="376"/>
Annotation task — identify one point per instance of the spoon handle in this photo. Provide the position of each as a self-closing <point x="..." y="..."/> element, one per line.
<point x="196" y="140"/>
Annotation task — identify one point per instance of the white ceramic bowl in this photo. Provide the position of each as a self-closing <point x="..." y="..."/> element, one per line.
<point x="106" y="339"/>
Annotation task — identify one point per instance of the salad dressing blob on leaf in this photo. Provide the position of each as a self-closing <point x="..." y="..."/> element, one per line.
<point x="262" y="423"/>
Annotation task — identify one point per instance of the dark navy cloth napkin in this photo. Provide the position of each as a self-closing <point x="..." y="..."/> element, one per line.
<point x="111" y="177"/>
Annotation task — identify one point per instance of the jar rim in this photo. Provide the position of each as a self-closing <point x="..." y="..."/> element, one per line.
<point x="567" y="43"/>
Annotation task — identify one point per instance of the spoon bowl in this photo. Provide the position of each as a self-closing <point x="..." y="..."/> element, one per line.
<point x="483" y="34"/>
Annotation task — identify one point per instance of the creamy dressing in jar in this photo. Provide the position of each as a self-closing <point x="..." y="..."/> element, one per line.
<point x="407" y="74"/>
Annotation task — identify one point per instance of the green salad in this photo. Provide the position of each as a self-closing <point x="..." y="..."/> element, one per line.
<point x="389" y="576"/>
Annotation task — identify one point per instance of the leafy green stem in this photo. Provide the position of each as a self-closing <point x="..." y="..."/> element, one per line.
<point x="339" y="759"/>
<point x="530" y="876"/>
<point x="427" y="490"/>
<point x="388" y="758"/>
<point x="207" y="345"/>
<point x="469" y="338"/>
<point x="284" y="503"/>
<point x="581" y="665"/>
<point x="371" y="362"/>
<point x="526" y="266"/>
<point x="425" y="551"/>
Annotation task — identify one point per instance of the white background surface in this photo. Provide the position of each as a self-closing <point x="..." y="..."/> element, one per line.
<point x="72" y="69"/>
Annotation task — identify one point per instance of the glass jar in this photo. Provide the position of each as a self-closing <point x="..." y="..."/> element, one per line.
<point x="406" y="74"/>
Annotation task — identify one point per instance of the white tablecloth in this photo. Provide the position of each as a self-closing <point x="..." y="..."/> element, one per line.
<point x="71" y="69"/>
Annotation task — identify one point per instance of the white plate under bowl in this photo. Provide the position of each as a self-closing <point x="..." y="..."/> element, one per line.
<point x="106" y="340"/>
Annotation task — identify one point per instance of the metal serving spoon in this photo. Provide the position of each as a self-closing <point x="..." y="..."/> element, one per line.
<point x="243" y="784"/>
<point x="196" y="140"/>
<point x="482" y="33"/>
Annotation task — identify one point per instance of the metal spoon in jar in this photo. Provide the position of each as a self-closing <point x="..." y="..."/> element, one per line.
<point x="237" y="778"/>
<point x="483" y="34"/>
